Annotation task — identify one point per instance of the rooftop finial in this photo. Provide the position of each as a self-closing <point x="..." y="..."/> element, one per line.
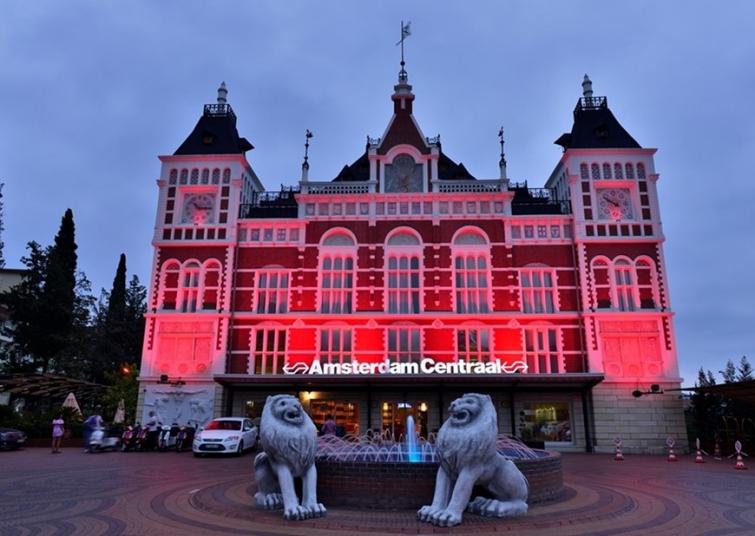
<point x="587" y="87"/>
<point x="305" y="165"/>
<point x="502" y="161"/>
<point x="222" y="94"/>
<point x="405" y="32"/>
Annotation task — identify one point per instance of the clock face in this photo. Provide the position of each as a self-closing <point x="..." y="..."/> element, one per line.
<point x="198" y="208"/>
<point x="614" y="204"/>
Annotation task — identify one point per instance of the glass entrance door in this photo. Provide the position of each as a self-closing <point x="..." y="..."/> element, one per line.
<point x="395" y="414"/>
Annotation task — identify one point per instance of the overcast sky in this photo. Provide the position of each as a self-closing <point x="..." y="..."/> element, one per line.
<point x="93" y="91"/>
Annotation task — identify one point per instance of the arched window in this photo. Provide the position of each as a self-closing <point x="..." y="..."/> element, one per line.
<point x="188" y="290"/>
<point x="584" y="172"/>
<point x="403" y="274"/>
<point x="646" y="283"/>
<point x="537" y="284"/>
<point x="184" y="176"/>
<point x="173" y="176"/>
<point x="169" y="285"/>
<point x="471" y="257"/>
<point x="337" y="273"/>
<point x="226" y="176"/>
<point x="205" y="176"/>
<point x="629" y="169"/>
<point x="194" y="176"/>
<point x="595" y="170"/>
<point x="211" y="285"/>
<point x="271" y="290"/>
<point x="640" y="170"/>
<point x="623" y="282"/>
<point x="601" y="280"/>
<point x="617" y="171"/>
<point x="606" y="171"/>
<point x="216" y="176"/>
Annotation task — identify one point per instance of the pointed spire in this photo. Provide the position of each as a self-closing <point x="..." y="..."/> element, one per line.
<point x="587" y="87"/>
<point x="222" y="94"/>
<point x="305" y="165"/>
<point x="502" y="161"/>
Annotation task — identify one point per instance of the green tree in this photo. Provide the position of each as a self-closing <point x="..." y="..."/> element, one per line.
<point x="745" y="370"/>
<point x="58" y="295"/>
<point x="123" y="386"/>
<point x="729" y="373"/>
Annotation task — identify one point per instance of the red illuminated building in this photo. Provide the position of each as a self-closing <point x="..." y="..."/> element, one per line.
<point x="406" y="258"/>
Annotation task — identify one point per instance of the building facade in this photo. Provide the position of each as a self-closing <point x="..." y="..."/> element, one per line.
<point x="405" y="281"/>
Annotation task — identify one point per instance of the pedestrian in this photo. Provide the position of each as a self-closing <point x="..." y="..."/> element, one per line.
<point x="58" y="427"/>
<point x="329" y="426"/>
<point x="90" y="425"/>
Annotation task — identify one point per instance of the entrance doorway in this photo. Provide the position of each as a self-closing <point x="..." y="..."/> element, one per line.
<point x="394" y="415"/>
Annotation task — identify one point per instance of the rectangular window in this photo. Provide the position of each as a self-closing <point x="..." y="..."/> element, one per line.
<point x="538" y="290"/>
<point x="541" y="350"/>
<point x="271" y="291"/>
<point x="269" y="351"/>
<point x="624" y="288"/>
<point x="189" y="295"/>
<point x="403" y="292"/>
<point x="335" y="345"/>
<point x="473" y="345"/>
<point x="550" y="421"/>
<point x="472" y="284"/>
<point x="337" y="285"/>
<point x="404" y="344"/>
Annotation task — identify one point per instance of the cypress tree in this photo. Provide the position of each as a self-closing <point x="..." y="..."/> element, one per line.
<point x="116" y="307"/>
<point x="59" y="292"/>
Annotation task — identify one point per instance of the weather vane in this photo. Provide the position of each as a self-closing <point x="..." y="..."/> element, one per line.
<point x="307" y="136"/>
<point x="405" y="32"/>
<point x="502" y="161"/>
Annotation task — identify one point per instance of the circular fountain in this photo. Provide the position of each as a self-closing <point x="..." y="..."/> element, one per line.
<point x="385" y="473"/>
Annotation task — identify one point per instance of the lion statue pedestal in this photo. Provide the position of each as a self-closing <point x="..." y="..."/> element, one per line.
<point x="288" y="438"/>
<point x="468" y="455"/>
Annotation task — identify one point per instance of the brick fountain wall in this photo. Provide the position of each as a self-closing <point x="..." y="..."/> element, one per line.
<point x="403" y="485"/>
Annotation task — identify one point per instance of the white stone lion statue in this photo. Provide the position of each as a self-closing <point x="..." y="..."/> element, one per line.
<point x="288" y="438"/>
<point x="468" y="455"/>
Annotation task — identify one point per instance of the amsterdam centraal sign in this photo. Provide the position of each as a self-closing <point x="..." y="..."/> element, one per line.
<point x="425" y="366"/>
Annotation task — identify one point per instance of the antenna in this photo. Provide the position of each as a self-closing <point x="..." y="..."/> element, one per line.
<point x="502" y="161"/>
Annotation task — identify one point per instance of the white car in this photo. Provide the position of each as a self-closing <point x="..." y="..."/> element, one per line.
<point x="225" y="435"/>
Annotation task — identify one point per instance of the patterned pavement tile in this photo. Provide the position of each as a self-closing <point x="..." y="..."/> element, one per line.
<point x="168" y="493"/>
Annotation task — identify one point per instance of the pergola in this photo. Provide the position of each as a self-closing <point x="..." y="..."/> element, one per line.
<point x="50" y="388"/>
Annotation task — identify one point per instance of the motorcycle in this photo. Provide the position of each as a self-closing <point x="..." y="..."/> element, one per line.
<point x="184" y="438"/>
<point x="103" y="439"/>
<point x="141" y="439"/>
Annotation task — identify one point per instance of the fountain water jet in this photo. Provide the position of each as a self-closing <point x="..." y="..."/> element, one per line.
<point x="412" y="450"/>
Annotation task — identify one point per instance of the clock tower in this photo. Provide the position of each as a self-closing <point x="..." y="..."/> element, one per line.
<point x="201" y="187"/>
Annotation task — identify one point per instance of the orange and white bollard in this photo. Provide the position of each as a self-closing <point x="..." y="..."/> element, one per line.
<point x="699" y="453"/>
<point x="619" y="456"/>
<point x="717" y="450"/>
<point x="671" y="454"/>
<point x="740" y="461"/>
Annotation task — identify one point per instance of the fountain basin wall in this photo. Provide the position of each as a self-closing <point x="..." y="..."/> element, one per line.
<point x="404" y="485"/>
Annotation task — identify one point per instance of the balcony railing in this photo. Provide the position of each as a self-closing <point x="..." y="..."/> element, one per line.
<point x="218" y="110"/>
<point x="281" y="204"/>
<point x="537" y="200"/>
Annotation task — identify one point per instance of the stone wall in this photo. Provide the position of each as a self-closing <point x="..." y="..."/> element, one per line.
<point x="643" y="424"/>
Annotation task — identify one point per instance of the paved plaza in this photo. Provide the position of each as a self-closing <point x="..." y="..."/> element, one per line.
<point x="169" y="493"/>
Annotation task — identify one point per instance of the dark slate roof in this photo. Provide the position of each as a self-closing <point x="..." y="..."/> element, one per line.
<point x="403" y="130"/>
<point x="358" y="171"/>
<point x="595" y="127"/>
<point x="215" y="133"/>
<point x="448" y="170"/>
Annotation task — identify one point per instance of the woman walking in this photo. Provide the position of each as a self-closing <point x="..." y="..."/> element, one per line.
<point x="57" y="433"/>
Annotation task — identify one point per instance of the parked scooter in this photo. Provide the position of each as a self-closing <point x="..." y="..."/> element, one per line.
<point x="104" y="439"/>
<point x="141" y="439"/>
<point x="127" y="438"/>
<point x="168" y="437"/>
<point x="184" y="438"/>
